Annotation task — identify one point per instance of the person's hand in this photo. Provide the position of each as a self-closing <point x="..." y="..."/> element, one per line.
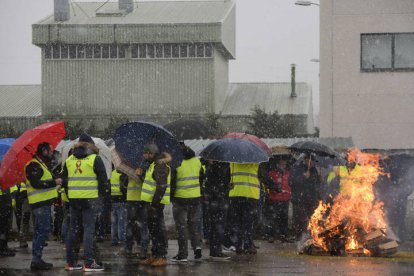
<point x="58" y="181"/>
<point x="337" y="171"/>
<point x="307" y="174"/>
<point x="139" y="171"/>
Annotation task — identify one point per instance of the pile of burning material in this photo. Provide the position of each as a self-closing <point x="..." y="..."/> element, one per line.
<point x="354" y="224"/>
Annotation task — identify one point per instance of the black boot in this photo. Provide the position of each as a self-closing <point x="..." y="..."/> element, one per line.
<point x="42" y="265"/>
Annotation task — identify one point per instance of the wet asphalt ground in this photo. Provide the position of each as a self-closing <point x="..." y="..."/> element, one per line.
<point x="272" y="259"/>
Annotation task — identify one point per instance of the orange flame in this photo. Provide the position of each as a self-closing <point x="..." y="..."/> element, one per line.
<point x="355" y="207"/>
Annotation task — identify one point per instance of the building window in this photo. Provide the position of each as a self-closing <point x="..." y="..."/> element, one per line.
<point x="104" y="51"/>
<point x="138" y="51"/>
<point x="387" y="52"/>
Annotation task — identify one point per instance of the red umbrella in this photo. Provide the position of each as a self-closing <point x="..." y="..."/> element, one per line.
<point x="251" y="138"/>
<point x="23" y="149"/>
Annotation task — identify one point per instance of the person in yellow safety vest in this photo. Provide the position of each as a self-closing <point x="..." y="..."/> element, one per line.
<point x="119" y="209"/>
<point x="244" y="198"/>
<point x="137" y="225"/>
<point x="41" y="192"/>
<point x="156" y="193"/>
<point x="5" y="213"/>
<point x="87" y="185"/>
<point x="186" y="197"/>
<point x="22" y="203"/>
<point x="342" y="178"/>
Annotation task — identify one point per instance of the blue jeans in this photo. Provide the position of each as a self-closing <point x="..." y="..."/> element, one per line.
<point x="119" y="222"/>
<point x="41" y="231"/>
<point x="86" y="215"/>
<point x="217" y="215"/>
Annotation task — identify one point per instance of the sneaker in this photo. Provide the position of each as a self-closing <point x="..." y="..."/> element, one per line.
<point x="146" y="261"/>
<point x="42" y="265"/>
<point x="159" y="262"/>
<point x="240" y="251"/>
<point x="271" y="240"/>
<point x="93" y="267"/>
<point x="179" y="259"/>
<point x="229" y="249"/>
<point x="23" y="245"/>
<point x="7" y="252"/>
<point x="70" y="267"/>
<point x="197" y="253"/>
<point x="251" y="251"/>
<point x="219" y="257"/>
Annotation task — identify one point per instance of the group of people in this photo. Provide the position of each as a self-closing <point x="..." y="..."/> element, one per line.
<point x="222" y="203"/>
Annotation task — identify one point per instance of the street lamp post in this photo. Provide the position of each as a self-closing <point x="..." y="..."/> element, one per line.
<point x="305" y="3"/>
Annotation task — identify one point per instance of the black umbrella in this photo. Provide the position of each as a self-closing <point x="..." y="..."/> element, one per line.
<point x="309" y="147"/>
<point x="131" y="138"/>
<point x="234" y="150"/>
<point x="187" y="129"/>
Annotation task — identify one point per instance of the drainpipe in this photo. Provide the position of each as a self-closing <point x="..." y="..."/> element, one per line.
<point x="292" y="81"/>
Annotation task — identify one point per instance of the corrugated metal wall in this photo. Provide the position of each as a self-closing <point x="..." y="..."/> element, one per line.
<point x="221" y="81"/>
<point x="124" y="87"/>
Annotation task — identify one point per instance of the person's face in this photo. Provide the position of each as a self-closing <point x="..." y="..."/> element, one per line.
<point x="282" y="164"/>
<point x="148" y="156"/>
<point x="48" y="152"/>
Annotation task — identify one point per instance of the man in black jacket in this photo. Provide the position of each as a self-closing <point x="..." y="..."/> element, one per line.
<point x="41" y="192"/>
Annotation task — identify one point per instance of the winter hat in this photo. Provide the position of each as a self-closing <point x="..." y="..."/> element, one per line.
<point x="151" y="148"/>
<point x="84" y="137"/>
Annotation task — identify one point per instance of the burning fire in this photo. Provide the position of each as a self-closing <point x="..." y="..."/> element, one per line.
<point x="354" y="211"/>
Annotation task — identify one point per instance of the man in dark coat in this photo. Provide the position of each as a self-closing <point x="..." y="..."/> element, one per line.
<point x="306" y="184"/>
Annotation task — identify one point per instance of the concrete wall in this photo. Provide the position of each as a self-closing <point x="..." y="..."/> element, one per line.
<point x="375" y="108"/>
<point x="220" y="81"/>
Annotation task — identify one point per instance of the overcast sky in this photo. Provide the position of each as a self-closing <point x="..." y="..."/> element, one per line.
<point x="270" y="35"/>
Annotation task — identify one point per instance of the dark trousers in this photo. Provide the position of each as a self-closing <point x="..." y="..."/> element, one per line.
<point x="137" y="226"/>
<point x="187" y="219"/>
<point x="5" y="212"/>
<point x="302" y="211"/>
<point x="217" y="213"/>
<point x="24" y="235"/>
<point x="81" y="217"/>
<point x="276" y="218"/>
<point x="243" y="213"/>
<point x="41" y="231"/>
<point x="103" y="223"/>
<point x="158" y="232"/>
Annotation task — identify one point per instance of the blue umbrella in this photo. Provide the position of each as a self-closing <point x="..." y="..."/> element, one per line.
<point x="5" y="144"/>
<point x="235" y="151"/>
<point x="131" y="138"/>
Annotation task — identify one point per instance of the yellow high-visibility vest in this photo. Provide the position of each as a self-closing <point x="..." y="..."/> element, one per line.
<point x="149" y="186"/>
<point x="346" y="177"/>
<point x="116" y="183"/>
<point x="39" y="195"/>
<point x="188" y="179"/>
<point x="13" y="189"/>
<point x="23" y="187"/>
<point x="245" y="180"/>
<point x="82" y="182"/>
<point x="134" y="190"/>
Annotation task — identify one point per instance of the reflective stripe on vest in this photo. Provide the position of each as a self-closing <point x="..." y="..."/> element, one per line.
<point x="115" y="184"/>
<point x="245" y="181"/>
<point x="23" y="187"/>
<point x="39" y="195"/>
<point x="134" y="190"/>
<point x="82" y="182"/>
<point x="149" y="186"/>
<point x="188" y="179"/>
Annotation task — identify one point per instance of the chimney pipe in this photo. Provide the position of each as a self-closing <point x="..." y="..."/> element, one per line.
<point x="126" y="5"/>
<point x="61" y="9"/>
<point x="292" y="81"/>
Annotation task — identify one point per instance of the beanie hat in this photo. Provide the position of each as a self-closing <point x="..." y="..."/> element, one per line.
<point x="84" y="137"/>
<point x="151" y="148"/>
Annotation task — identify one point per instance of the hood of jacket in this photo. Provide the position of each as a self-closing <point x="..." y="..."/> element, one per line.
<point x="83" y="149"/>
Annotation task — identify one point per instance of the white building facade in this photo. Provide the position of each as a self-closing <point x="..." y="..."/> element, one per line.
<point x="367" y="72"/>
